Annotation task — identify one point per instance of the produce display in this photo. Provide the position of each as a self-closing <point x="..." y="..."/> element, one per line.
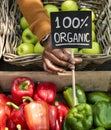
<point x="35" y="106"/>
<point x="30" y="43"/>
<point x="31" y="106"/>
<point x="70" y="5"/>
<point x="36" y="48"/>
<point x="14" y="24"/>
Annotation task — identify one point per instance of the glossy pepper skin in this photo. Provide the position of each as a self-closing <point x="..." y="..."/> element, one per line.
<point x="62" y="111"/>
<point x="3" y="100"/>
<point x="11" y="125"/>
<point x="94" y="97"/>
<point x="17" y="114"/>
<point x="80" y="95"/>
<point x="5" y="110"/>
<point x="80" y="117"/>
<point x="3" y="117"/>
<point x="65" y="126"/>
<point x="99" y="128"/>
<point x="52" y="116"/>
<point x="102" y="114"/>
<point x="37" y="115"/>
<point x="45" y="91"/>
<point x="21" y="86"/>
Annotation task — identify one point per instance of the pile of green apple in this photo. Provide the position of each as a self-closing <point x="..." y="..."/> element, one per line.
<point x="96" y="48"/>
<point x="30" y="43"/>
<point x="71" y="5"/>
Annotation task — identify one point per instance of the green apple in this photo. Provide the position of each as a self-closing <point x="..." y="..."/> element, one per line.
<point x="93" y="36"/>
<point x="75" y="50"/>
<point x="96" y="49"/>
<point x="29" y="37"/>
<point x="93" y="26"/>
<point x="25" y="48"/>
<point x="23" y="23"/>
<point x="69" y="5"/>
<point x="92" y="12"/>
<point x="51" y="8"/>
<point x="80" y="51"/>
<point x="38" y="48"/>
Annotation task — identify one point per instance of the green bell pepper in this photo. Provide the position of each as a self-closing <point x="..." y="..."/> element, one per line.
<point x="94" y="97"/>
<point x="80" y="95"/>
<point x="102" y="114"/>
<point x="80" y="117"/>
<point x="99" y="128"/>
<point x="65" y="126"/>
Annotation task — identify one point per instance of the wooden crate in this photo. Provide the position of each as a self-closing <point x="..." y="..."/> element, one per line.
<point x="89" y="80"/>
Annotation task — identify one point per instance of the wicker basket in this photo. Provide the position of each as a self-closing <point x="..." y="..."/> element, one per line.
<point x="102" y="9"/>
<point x="3" y="26"/>
<point x="13" y="36"/>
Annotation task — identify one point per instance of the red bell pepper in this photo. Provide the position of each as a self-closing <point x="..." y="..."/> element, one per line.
<point x="52" y="116"/>
<point x="10" y="124"/>
<point x="62" y="110"/>
<point x="21" y="86"/>
<point x="17" y="114"/>
<point x="59" y="120"/>
<point x="45" y="91"/>
<point x="36" y="114"/>
<point x="3" y="117"/>
<point x="57" y="114"/>
<point x="3" y="100"/>
<point x="62" y="107"/>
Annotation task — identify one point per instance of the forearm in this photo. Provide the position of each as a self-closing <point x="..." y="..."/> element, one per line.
<point x="36" y="16"/>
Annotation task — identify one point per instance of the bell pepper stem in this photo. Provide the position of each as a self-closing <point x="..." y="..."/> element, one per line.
<point x="24" y="85"/>
<point x="19" y="127"/>
<point x="13" y="105"/>
<point x="56" y="103"/>
<point x="27" y="98"/>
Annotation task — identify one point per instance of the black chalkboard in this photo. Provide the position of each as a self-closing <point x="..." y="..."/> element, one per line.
<point x="71" y="29"/>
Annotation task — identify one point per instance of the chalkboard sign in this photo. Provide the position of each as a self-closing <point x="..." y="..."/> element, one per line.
<point x="71" y="29"/>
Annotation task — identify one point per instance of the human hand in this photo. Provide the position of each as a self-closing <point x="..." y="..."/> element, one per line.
<point x="55" y="60"/>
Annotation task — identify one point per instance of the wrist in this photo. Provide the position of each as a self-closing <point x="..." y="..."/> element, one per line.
<point x="44" y="40"/>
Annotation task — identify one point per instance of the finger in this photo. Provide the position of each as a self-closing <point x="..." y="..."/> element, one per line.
<point x="46" y="68"/>
<point x="75" y="60"/>
<point x="50" y="67"/>
<point x="78" y="60"/>
<point x="72" y="60"/>
<point x="61" y="54"/>
<point x="55" y="60"/>
<point x="67" y="51"/>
